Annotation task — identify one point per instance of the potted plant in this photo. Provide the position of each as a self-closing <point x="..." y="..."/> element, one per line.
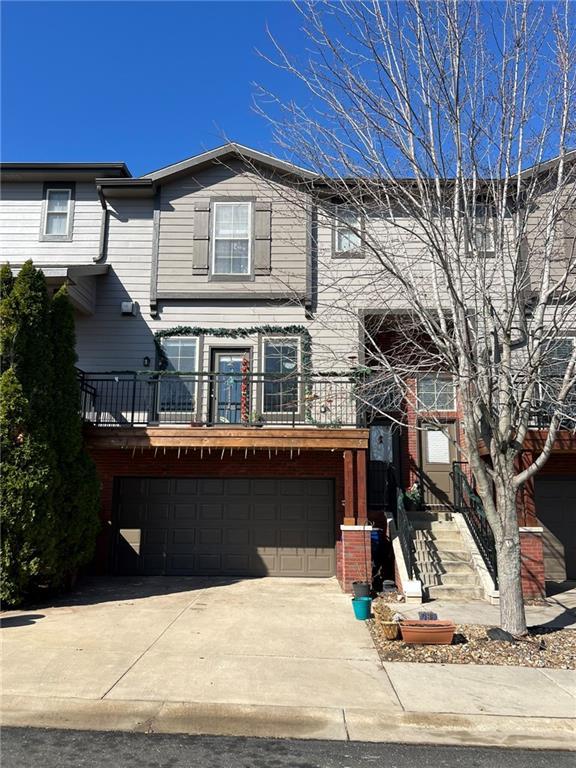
<point x="387" y="621"/>
<point x="256" y="419"/>
<point x="427" y="630"/>
<point x="413" y="496"/>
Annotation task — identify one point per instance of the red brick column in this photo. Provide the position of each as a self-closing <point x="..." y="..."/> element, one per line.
<point x="532" y="555"/>
<point x="355" y="554"/>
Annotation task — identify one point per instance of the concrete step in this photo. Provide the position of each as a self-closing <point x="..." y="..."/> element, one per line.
<point x="429" y="515"/>
<point x="456" y="566"/>
<point x="437" y="566"/>
<point x="460" y="579"/>
<point x="451" y="552"/>
<point x="438" y="535"/>
<point x="445" y="592"/>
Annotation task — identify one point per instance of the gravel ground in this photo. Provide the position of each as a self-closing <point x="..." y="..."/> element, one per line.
<point x="553" y="648"/>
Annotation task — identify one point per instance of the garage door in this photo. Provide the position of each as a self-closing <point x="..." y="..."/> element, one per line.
<point x="239" y="526"/>
<point x="556" y="510"/>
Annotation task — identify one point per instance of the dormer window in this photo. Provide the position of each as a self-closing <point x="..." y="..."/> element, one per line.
<point x="232" y="236"/>
<point x="57" y="212"/>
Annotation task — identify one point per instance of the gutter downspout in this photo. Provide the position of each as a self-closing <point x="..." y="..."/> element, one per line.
<point x="103" y="245"/>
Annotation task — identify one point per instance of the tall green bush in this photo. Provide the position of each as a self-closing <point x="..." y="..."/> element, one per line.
<point x="28" y="460"/>
<point x="49" y="510"/>
<point x="77" y="494"/>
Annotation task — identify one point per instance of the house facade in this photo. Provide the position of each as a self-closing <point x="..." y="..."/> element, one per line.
<point x="220" y="364"/>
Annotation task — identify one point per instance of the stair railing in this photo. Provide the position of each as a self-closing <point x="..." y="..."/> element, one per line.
<point x="405" y="534"/>
<point x="470" y="506"/>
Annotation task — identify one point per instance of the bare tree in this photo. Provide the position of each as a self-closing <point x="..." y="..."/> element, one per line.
<point x="441" y="133"/>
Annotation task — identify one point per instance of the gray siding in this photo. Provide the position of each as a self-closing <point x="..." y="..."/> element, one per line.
<point x="176" y="245"/>
<point x="21" y="220"/>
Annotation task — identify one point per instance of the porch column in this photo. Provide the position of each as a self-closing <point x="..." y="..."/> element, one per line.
<point x="361" y="486"/>
<point x="349" y="510"/>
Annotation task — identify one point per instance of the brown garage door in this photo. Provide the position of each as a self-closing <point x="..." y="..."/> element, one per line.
<point x="235" y="526"/>
<point x="556" y="510"/>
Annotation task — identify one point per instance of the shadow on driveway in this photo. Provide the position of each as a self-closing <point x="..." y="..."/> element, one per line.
<point x="105" y="589"/>
<point x="22" y="620"/>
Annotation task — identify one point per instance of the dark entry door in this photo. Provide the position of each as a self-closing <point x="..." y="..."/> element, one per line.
<point x="185" y="526"/>
<point x="227" y="406"/>
<point x="437" y="453"/>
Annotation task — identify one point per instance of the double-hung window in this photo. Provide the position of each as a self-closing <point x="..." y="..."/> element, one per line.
<point x="281" y="358"/>
<point x="177" y="394"/>
<point x="484" y="229"/>
<point x="436" y="393"/>
<point x="232" y="235"/>
<point x="57" y="213"/>
<point x="557" y="356"/>
<point x="348" y="225"/>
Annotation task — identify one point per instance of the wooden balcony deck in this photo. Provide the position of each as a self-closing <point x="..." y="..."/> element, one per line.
<point x="242" y="438"/>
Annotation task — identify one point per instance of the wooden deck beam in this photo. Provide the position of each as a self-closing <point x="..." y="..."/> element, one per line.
<point x="306" y="438"/>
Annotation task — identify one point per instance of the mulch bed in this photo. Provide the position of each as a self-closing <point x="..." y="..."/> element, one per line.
<point x="544" y="647"/>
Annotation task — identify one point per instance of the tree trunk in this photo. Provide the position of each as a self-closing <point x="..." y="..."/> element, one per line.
<point x="512" y="614"/>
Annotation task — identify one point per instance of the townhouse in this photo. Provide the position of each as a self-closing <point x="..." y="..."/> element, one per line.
<point x="219" y="365"/>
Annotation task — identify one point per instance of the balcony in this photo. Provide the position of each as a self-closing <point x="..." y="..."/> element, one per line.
<point x="235" y="400"/>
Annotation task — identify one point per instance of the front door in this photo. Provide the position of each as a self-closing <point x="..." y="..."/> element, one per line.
<point x="437" y="454"/>
<point x="229" y="401"/>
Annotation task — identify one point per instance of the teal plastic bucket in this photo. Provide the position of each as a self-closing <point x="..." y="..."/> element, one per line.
<point x="362" y="607"/>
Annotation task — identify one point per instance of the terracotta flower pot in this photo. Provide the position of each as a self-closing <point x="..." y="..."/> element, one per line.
<point x="427" y="632"/>
<point x="389" y="629"/>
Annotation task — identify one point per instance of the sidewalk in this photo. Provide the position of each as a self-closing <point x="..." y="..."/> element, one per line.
<point x="434" y="703"/>
<point x="268" y="657"/>
<point x="559" y="611"/>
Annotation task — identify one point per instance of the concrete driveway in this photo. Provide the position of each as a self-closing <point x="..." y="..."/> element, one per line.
<point x="284" y="642"/>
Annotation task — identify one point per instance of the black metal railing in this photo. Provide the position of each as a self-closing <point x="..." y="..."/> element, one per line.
<point x="468" y="503"/>
<point x="405" y="534"/>
<point x="217" y="399"/>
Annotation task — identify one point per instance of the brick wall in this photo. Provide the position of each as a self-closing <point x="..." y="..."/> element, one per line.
<point x="113" y="464"/>
<point x="355" y="555"/>
<point x="532" y="555"/>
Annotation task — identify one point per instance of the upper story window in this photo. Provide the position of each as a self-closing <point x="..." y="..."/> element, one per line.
<point x="57" y="212"/>
<point x="436" y="393"/>
<point x="180" y="354"/>
<point x="348" y="227"/>
<point x="483" y="240"/>
<point x="280" y="365"/>
<point x="178" y="395"/>
<point x="232" y="236"/>
<point x="557" y="357"/>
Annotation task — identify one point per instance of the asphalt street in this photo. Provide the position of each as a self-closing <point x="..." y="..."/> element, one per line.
<point x="30" y="747"/>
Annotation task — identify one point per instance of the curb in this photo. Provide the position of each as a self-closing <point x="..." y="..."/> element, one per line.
<point x="332" y="724"/>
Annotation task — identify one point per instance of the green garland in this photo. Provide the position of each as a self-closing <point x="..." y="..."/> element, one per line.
<point x="357" y="374"/>
<point x="241" y="333"/>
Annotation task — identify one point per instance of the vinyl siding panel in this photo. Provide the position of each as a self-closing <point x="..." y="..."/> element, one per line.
<point x="288" y="238"/>
<point x="21" y="221"/>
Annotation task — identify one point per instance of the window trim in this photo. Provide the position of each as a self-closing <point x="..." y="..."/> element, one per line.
<point x="55" y="186"/>
<point x="421" y="408"/>
<point x="197" y="404"/>
<point x="474" y="226"/>
<point x="299" y="383"/>
<point x="232" y="276"/>
<point x="337" y="225"/>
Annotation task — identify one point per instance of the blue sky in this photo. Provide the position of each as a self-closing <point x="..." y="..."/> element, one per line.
<point x="148" y="83"/>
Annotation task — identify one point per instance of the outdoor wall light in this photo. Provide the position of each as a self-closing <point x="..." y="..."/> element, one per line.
<point x="146" y="362"/>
